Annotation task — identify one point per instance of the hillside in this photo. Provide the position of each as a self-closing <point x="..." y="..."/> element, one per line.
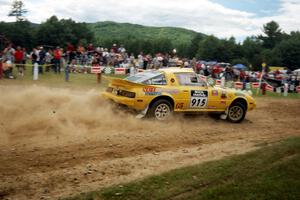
<point x="119" y="31"/>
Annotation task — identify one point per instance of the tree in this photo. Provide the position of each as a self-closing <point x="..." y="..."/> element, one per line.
<point x="208" y="48"/>
<point x="252" y="50"/>
<point x="273" y="35"/>
<point x="55" y="32"/>
<point x="18" y="10"/>
<point x="290" y="51"/>
<point x="195" y="45"/>
<point x="21" y="33"/>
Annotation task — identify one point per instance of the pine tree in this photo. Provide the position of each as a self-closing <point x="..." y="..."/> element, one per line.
<point x="18" y="10"/>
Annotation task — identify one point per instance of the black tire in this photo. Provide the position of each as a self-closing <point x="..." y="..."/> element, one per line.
<point x="160" y="110"/>
<point x="236" y="112"/>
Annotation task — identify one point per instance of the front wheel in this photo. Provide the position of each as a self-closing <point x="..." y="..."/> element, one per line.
<point x="161" y="110"/>
<point x="236" y="113"/>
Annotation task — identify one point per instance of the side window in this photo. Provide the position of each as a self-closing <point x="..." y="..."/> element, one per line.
<point x="190" y="79"/>
<point x="158" y="80"/>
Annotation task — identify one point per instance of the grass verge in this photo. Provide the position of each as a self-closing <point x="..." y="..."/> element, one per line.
<point x="50" y="79"/>
<point x="269" y="173"/>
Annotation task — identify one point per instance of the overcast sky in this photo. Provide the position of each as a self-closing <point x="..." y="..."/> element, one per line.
<point x="222" y="18"/>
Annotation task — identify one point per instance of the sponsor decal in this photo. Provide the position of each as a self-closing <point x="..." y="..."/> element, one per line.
<point x="224" y="94"/>
<point x="179" y="106"/>
<point x="223" y="102"/>
<point x="215" y="93"/>
<point x="149" y="89"/>
<point x="198" y="99"/>
<point x="158" y="91"/>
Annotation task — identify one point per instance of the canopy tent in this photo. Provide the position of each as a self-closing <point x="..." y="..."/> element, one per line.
<point x="297" y="70"/>
<point x="240" y="67"/>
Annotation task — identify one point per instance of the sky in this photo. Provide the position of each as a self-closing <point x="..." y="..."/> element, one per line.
<point x="222" y="18"/>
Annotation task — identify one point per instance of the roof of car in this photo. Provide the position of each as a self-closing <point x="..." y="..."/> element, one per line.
<point x="176" y="70"/>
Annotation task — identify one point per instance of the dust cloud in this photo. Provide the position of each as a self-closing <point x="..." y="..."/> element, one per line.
<point x="35" y="111"/>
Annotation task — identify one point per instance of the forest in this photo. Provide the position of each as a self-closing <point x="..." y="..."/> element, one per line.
<point x="273" y="46"/>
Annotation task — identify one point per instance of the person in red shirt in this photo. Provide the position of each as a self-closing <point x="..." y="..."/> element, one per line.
<point x="19" y="55"/>
<point x="90" y="49"/>
<point x="70" y="47"/>
<point x="57" y="53"/>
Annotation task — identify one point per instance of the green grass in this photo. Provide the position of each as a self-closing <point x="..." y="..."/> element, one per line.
<point x="77" y="80"/>
<point x="276" y="95"/>
<point x="269" y="173"/>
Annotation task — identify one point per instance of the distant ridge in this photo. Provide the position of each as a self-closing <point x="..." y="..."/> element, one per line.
<point x="107" y="29"/>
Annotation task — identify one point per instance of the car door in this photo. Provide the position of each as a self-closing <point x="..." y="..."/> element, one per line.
<point x="217" y="99"/>
<point x="195" y="93"/>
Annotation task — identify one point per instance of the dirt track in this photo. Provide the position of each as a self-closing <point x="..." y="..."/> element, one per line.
<point x="60" y="142"/>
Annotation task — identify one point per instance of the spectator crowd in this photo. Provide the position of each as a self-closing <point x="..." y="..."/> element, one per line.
<point x="79" y="59"/>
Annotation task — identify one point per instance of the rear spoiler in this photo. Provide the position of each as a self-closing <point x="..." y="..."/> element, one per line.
<point x="122" y="82"/>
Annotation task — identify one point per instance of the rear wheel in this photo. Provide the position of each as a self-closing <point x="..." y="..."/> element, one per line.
<point x="161" y="110"/>
<point x="236" y="113"/>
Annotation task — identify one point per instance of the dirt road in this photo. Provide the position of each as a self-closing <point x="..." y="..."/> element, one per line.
<point x="60" y="142"/>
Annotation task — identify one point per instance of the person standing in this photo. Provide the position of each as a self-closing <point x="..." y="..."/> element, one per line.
<point x="25" y="56"/>
<point x="19" y="56"/>
<point x="8" y="59"/>
<point x="42" y="56"/>
<point x="57" y="54"/>
<point x="48" y="60"/>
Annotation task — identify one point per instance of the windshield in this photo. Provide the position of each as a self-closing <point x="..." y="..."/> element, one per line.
<point x="148" y="78"/>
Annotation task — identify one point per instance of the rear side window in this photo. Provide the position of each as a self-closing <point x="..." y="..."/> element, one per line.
<point x="158" y="80"/>
<point x="143" y="76"/>
<point x="190" y="79"/>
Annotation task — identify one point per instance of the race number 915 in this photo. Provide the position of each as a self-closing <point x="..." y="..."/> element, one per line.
<point x="198" y="99"/>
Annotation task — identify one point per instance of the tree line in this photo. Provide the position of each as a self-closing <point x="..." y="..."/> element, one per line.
<point x="274" y="47"/>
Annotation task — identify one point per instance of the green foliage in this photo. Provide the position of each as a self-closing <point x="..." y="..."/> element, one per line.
<point x="274" y="48"/>
<point x="289" y="51"/>
<point x="19" y="33"/>
<point x="252" y="48"/>
<point x="208" y="48"/>
<point x="222" y="50"/>
<point x="273" y="35"/>
<point x="135" y="37"/>
<point x="195" y="45"/>
<point x="56" y="32"/>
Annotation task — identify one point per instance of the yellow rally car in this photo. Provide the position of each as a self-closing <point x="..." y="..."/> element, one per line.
<point x="159" y="93"/>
